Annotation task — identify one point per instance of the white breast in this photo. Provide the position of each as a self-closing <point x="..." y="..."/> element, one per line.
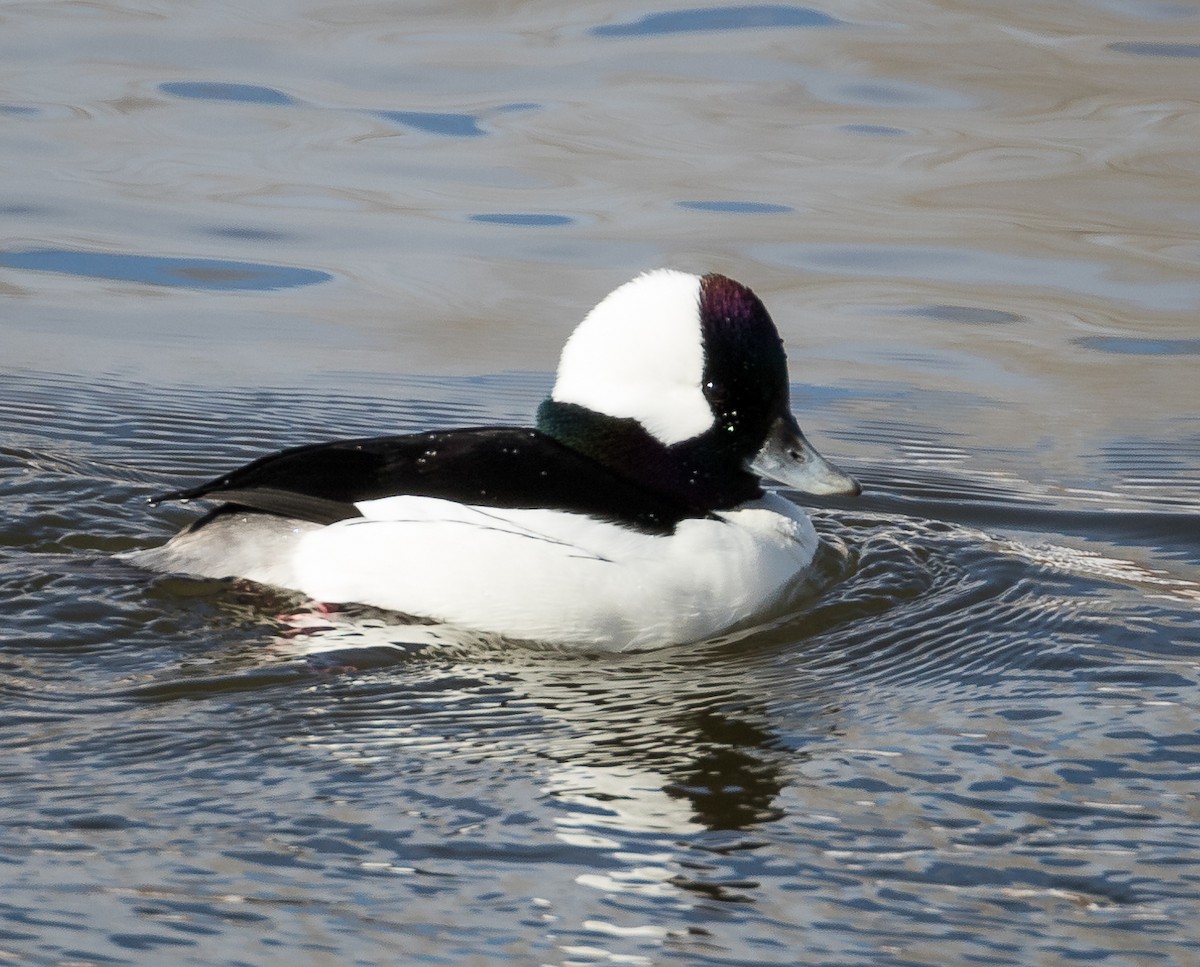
<point x="549" y="576"/>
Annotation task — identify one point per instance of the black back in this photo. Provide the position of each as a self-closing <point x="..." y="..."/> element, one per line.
<point x="491" y="467"/>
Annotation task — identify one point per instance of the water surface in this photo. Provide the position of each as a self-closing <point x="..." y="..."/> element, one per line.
<point x="977" y="227"/>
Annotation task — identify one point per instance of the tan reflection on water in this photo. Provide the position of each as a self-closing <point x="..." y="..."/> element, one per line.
<point x="1004" y="160"/>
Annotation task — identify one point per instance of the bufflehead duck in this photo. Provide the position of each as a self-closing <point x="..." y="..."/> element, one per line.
<point x="632" y="516"/>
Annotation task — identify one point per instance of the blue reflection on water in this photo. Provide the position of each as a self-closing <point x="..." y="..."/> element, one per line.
<point x="434" y="122"/>
<point x="874" y="130"/>
<point x="1148" y="49"/>
<point x="1132" y="346"/>
<point x="451" y="125"/>
<point x="736" y="207"/>
<point x="249" y="234"/>
<point x="887" y="92"/>
<point x="718" y="18"/>
<point x="972" y="315"/>
<point x="218" y="91"/>
<point x="180" y="273"/>
<point x="522" y="218"/>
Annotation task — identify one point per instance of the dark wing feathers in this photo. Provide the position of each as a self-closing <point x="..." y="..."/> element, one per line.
<point x="287" y="503"/>
<point x="491" y="467"/>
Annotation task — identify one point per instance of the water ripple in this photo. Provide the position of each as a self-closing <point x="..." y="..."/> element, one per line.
<point x="184" y="273"/>
<point x="737" y="207"/>
<point x="1132" y="346"/>
<point x="445" y="123"/>
<point x="450" y="125"/>
<point x="1156" y="49"/>
<point x="748" y="17"/>
<point x="523" y="219"/>
<point x="224" y="91"/>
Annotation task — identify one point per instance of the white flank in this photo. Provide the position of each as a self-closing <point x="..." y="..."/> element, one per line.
<point x="541" y="575"/>
<point x="549" y="576"/>
<point x="638" y="355"/>
<point x="260" y="547"/>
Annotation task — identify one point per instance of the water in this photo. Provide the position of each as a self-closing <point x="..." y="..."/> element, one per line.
<point x="229" y="230"/>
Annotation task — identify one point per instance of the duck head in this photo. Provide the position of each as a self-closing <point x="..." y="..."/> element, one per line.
<point x="696" y="364"/>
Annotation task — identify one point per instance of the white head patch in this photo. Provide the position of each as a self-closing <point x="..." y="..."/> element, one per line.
<point x="638" y="354"/>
